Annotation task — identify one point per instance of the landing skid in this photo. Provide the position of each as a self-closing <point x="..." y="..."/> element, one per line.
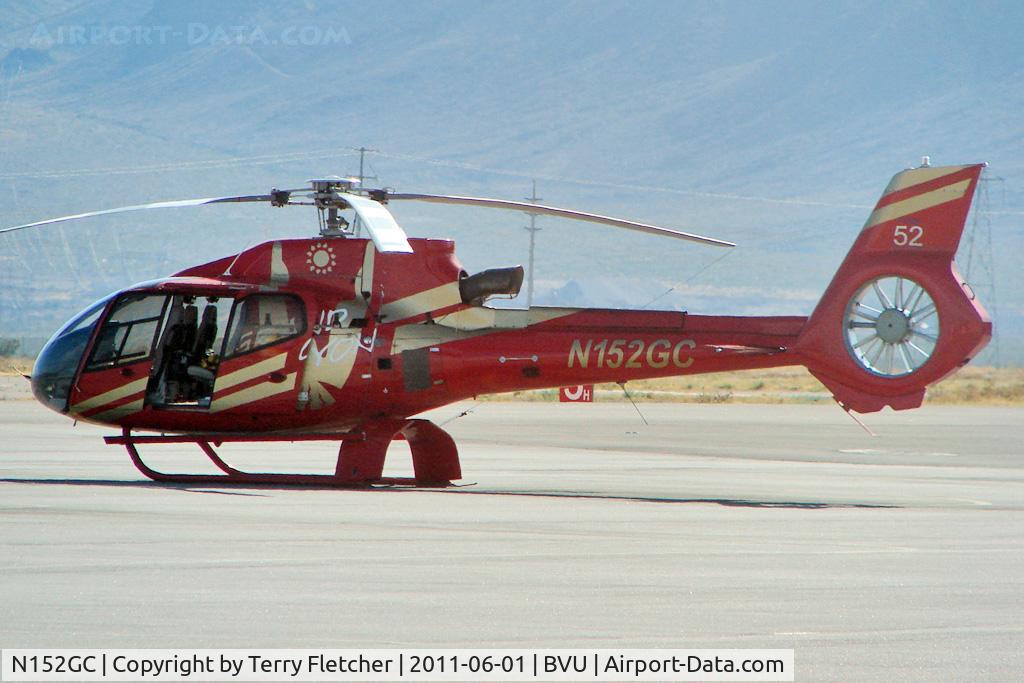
<point x="435" y="458"/>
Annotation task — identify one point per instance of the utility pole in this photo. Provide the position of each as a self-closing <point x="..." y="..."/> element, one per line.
<point x="533" y="230"/>
<point x="362" y="156"/>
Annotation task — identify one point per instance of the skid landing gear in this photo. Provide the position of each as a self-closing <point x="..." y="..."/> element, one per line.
<point x="435" y="459"/>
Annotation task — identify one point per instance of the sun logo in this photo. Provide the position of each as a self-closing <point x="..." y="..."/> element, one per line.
<point x="320" y="258"/>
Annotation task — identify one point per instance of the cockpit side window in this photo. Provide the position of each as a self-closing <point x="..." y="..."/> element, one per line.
<point x="262" y="320"/>
<point x="129" y="332"/>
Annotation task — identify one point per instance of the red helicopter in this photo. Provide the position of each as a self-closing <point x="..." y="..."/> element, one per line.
<point x="346" y="339"/>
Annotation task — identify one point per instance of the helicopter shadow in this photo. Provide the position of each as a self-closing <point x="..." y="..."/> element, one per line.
<point x="254" y="490"/>
<point x="725" y="502"/>
<point x="119" y="483"/>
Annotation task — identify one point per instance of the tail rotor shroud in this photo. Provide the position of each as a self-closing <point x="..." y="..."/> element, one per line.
<point x="892" y="326"/>
<point x="898" y="316"/>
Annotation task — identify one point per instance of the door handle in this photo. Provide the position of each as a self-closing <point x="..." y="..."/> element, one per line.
<point x="276" y="377"/>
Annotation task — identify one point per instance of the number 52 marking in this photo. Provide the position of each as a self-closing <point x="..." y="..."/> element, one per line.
<point x="908" y="236"/>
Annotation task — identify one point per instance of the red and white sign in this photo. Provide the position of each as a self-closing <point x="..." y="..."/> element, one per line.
<point x="583" y="393"/>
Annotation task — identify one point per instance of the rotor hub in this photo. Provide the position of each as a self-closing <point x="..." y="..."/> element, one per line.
<point x="332" y="184"/>
<point x="893" y="326"/>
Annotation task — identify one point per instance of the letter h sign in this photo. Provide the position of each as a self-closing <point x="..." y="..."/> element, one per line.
<point x="583" y="393"/>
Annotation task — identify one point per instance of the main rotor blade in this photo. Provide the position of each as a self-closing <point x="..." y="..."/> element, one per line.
<point x="564" y="213"/>
<point x="178" y="203"/>
<point x="384" y="230"/>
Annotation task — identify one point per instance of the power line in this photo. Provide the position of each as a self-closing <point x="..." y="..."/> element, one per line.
<point x="980" y="270"/>
<point x="617" y="186"/>
<point x="183" y="165"/>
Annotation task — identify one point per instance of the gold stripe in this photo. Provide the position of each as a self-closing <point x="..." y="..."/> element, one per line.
<point x="474" y="318"/>
<point x="254" y="393"/>
<point x="917" y="176"/>
<point x="112" y="395"/>
<point x="423" y="302"/>
<point x="454" y="327"/>
<point x="542" y="314"/>
<point x="484" y="317"/>
<point x="264" y="367"/>
<point x="364" y="278"/>
<point x="278" y="269"/>
<point x="120" y="411"/>
<point x="918" y="203"/>
<point x="324" y="369"/>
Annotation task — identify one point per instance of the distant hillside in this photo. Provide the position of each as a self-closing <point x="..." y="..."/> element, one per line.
<point x="773" y="124"/>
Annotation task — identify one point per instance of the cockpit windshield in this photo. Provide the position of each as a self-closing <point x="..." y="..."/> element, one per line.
<point x="55" y="367"/>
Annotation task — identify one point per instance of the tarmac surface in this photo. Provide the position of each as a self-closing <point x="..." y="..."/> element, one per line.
<point x="898" y="557"/>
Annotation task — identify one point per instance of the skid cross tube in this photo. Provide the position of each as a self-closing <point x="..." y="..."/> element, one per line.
<point x="360" y="456"/>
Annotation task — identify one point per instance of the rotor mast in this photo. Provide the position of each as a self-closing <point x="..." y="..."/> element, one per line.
<point x="326" y="200"/>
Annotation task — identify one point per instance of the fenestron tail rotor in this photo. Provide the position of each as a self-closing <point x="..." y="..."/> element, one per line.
<point x="892" y="326"/>
<point x="334" y="194"/>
